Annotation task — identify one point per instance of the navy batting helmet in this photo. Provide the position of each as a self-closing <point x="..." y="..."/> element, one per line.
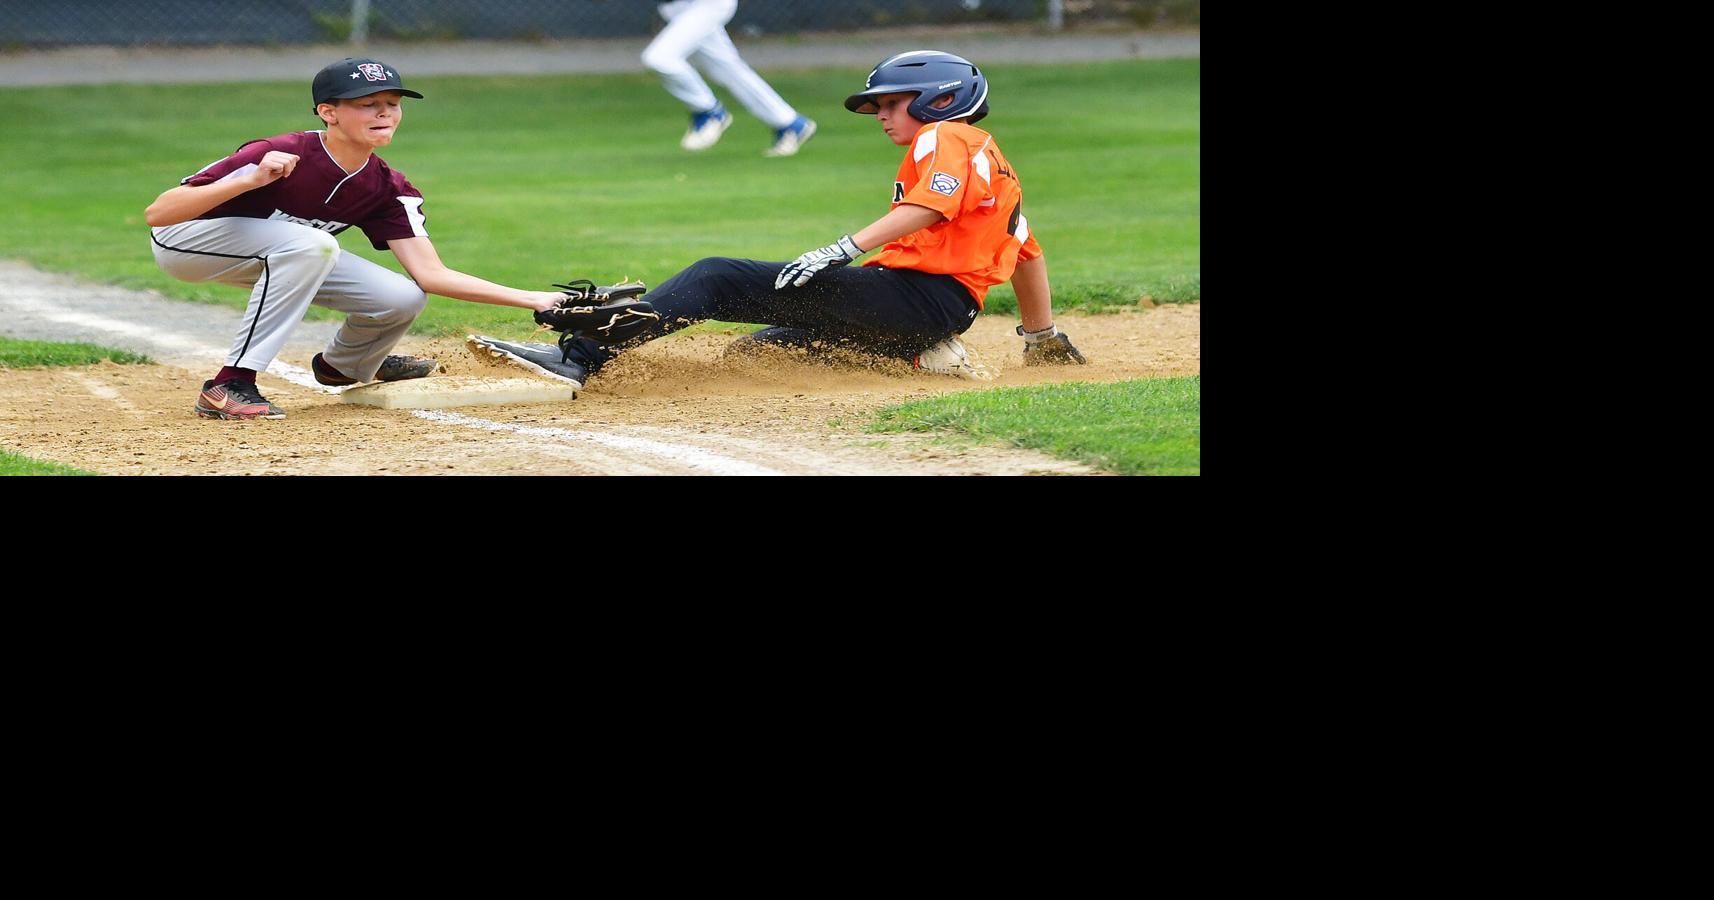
<point x="932" y="75"/>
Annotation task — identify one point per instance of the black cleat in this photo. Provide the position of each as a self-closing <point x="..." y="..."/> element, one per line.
<point x="542" y="359"/>
<point x="393" y="368"/>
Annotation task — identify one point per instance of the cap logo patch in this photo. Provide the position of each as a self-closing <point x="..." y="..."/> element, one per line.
<point x="372" y="71"/>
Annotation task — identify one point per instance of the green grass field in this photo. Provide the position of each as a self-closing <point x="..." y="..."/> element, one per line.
<point x="1151" y="427"/>
<point x="21" y="354"/>
<point x="535" y="180"/>
<point x="13" y="464"/>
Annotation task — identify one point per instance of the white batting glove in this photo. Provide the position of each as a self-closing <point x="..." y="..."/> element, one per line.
<point x="801" y="270"/>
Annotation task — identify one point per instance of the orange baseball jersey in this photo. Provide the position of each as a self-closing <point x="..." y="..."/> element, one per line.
<point x="956" y="170"/>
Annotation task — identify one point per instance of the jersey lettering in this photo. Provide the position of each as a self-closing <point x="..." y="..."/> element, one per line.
<point x="329" y="227"/>
<point x="321" y="194"/>
<point x="898" y="192"/>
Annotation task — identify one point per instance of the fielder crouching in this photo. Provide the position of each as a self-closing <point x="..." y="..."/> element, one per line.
<point x="265" y="217"/>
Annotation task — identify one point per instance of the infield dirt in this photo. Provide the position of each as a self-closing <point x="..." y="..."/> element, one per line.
<point x="678" y="406"/>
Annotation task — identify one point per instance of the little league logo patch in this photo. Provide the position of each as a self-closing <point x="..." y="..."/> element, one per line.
<point x="943" y="183"/>
<point x="372" y="71"/>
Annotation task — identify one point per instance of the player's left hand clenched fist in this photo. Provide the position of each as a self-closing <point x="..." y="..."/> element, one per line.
<point x="275" y="165"/>
<point x="801" y="270"/>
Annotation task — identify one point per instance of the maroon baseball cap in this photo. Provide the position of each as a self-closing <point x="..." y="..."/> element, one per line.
<point x="353" y="77"/>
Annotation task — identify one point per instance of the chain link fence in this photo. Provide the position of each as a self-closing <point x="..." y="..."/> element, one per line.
<point x="35" y="23"/>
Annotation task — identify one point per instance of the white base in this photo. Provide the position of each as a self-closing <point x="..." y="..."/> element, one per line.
<point x="452" y="391"/>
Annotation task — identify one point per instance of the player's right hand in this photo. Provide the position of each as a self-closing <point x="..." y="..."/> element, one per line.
<point x="542" y="301"/>
<point x="799" y="271"/>
<point x="274" y="166"/>
<point x="1055" y="351"/>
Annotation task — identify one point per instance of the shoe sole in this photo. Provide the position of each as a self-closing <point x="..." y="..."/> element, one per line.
<point x="203" y="412"/>
<point x="351" y="381"/>
<point x="807" y="134"/>
<point x="378" y="380"/>
<point x="969" y="369"/>
<point x="968" y="374"/>
<point x="478" y="344"/>
<point x="410" y="374"/>
<point x="698" y="148"/>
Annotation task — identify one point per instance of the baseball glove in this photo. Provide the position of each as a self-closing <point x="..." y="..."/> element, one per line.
<point x="606" y="315"/>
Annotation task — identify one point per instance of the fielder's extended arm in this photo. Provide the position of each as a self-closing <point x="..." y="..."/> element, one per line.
<point x="418" y="256"/>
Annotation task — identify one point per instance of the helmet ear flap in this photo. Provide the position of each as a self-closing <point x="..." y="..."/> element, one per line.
<point x="922" y="72"/>
<point x="928" y="108"/>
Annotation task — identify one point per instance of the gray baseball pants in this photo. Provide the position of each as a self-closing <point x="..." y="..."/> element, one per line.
<point x="287" y="267"/>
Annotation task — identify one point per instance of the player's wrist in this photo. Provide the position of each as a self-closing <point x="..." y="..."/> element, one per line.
<point x="849" y="247"/>
<point x="1036" y="337"/>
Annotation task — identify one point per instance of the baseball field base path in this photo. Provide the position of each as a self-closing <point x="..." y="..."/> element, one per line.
<point x="455" y="391"/>
<point x="677" y="406"/>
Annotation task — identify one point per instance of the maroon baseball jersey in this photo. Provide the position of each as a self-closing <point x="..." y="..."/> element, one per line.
<point x="319" y="193"/>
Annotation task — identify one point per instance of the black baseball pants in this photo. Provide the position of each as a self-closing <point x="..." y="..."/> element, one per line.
<point x="892" y="312"/>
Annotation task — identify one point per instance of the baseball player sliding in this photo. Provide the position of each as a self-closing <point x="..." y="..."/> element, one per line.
<point x="696" y="30"/>
<point x="265" y="217"/>
<point x="956" y="229"/>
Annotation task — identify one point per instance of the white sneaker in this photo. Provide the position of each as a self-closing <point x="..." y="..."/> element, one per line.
<point x="790" y="139"/>
<point x="706" y="129"/>
<point x="949" y="357"/>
